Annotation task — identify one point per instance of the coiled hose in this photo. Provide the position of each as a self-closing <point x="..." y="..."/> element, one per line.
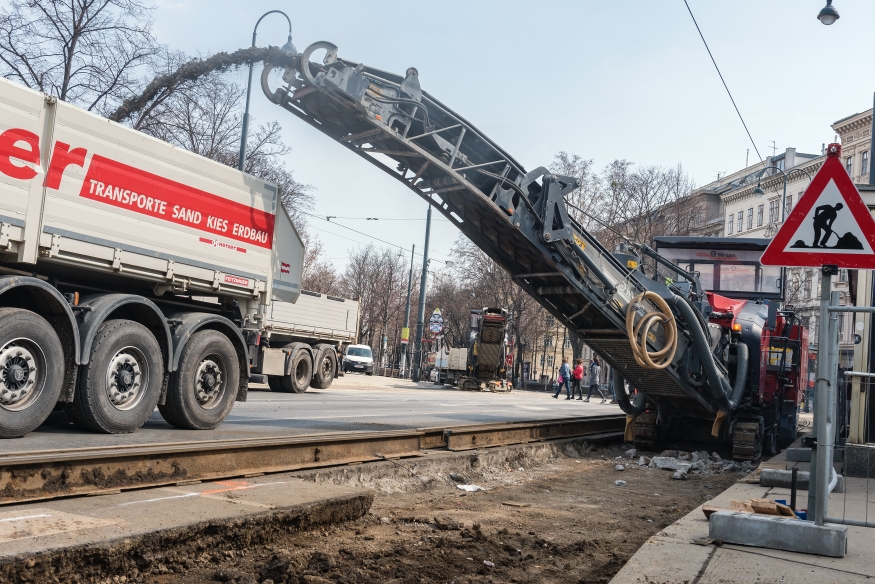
<point x="638" y="333"/>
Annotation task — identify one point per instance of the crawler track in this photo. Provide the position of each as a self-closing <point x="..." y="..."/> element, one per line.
<point x="36" y="475"/>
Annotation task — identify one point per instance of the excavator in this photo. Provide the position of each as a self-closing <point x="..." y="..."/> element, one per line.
<point x="687" y="363"/>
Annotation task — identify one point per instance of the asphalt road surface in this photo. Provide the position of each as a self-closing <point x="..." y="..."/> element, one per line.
<point x="353" y="403"/>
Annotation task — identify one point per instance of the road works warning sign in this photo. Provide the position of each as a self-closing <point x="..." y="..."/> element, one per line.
<point x="830" y="224"/>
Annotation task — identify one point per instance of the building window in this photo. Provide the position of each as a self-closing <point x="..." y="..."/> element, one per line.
<point x="773" y="211"/>
<point x="760" y="215"/>
<point x="729" y="225"/>
<point x="548" y="341"/>
<point x="740" y="220"/>
<point x="549" y="360"/>
<point x="864" y="167"/>
<point x="567" y="343"/>
<point x="750" y="218"/>
<point x="542" y="360"/>
<point x="549" y="321"/>
<point x="806" y="285"/>
<point x="789" y="205"/>
<point x="843" y="275"/>
<point x="849" y="165"/>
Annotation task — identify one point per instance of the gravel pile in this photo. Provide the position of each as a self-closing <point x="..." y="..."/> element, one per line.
<point x="683" y="463"/>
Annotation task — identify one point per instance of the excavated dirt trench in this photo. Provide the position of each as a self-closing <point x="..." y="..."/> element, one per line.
<point x="551" y="513"/>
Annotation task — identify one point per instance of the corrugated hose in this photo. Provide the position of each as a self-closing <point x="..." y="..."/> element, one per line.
<point x="638" y="333"/>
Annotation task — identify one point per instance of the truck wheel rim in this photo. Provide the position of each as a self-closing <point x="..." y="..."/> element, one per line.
<point x="209" y="383"/>
<point x="325" y="366"/>
<point x="22" y="365"/>
<point x="126" y="376"/>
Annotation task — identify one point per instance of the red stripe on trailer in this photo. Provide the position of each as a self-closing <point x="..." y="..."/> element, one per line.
<point x="127" y="187"/>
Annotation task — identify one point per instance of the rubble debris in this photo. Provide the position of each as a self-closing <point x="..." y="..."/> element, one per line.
<point x="470" y="488"/>
<point x="458" y="478"/>
<point x="619" y="467"/>
<point x="680" y="475"/>
<point x="632" y="452"/>
<point x="446" y="524"/>
<point x="488" y="564"/>
<point x="620" y="483"/>
<point x="643" y="461"/>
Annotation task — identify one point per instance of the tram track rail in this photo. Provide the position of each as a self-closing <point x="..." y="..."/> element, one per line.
<point x="49" y="474"/>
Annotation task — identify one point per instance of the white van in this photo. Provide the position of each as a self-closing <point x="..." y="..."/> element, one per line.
<point x="358" y="358"/>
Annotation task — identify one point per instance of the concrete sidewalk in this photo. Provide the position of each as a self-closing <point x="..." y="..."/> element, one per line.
<point x="131" y="531"/>
<point x="670" y="557"/>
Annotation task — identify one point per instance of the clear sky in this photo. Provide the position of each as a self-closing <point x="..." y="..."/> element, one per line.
<point x="602" y="79"/>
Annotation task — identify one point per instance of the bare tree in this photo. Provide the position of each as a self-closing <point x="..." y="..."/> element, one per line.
<point x="589" y="196"/>
<point x="643" y="203"/>
<point x="204" y="116"/>
<point x="319" y="274"/>
<point x="86" y="52"/>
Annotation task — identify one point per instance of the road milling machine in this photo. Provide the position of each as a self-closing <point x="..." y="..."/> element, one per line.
<point x="701" y="363"/>
<point x="487" y="352"/>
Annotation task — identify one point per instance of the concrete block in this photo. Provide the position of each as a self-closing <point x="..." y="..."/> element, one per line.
<point x="860" y="460"/>
<point x="779" y="533"/>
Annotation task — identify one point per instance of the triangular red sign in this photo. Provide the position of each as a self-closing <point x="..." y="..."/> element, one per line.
<point x="830" y="224"/>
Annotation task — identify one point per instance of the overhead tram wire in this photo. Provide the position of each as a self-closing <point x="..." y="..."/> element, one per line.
<point x="724" y="83"/>
<point x="395" y="245"/>
<point x="329" y="217"/>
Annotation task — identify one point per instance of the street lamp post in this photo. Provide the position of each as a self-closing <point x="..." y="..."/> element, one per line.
<point x="420" y="317"/>
<point x="289" y="48"/>
<point x="759" y="192"/>
<point x="403" y="365"/>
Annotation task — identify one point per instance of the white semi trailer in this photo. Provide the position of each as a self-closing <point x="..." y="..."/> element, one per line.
<point x="134" y="274"/>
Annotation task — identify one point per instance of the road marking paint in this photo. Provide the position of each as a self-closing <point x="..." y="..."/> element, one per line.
<point x="42" y="522"/>
<point x="26" y="517"/>
<point x="229" y="486"/>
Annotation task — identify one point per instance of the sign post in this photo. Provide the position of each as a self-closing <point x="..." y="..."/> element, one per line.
<point x="830" y="228"/>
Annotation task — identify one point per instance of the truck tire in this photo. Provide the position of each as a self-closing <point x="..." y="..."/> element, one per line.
<point x="274" y="382"/>
<point x="121" y="384"/>
<point x="31" y="371"/>
<point x="203" y="389"/>
<point x="301" y="372"/>
<point x="325" y="367"/>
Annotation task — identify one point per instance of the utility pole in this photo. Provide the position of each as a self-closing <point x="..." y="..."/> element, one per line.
<point x="407" y="315"/>
<point x="420" y="317"/>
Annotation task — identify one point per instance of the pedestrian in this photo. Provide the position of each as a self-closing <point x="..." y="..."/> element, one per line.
<point x="564" y="379"/>
<point x="576" y="379"/>
<point x="594" y="371"/>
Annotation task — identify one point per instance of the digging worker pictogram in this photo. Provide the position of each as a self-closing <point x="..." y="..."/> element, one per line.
<point x="824" y="217"/>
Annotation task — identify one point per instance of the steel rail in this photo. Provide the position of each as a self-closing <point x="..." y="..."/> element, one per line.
<point x="48" y="474"/>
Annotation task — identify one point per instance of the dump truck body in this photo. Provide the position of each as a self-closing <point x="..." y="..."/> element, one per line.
<point x="157" y="271"/>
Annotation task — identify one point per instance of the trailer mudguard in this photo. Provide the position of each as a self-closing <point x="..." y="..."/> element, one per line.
<point x="96" y="308"/>
<point x="44" y="299"/>
<point x="186" y="324"/>
<point x="292" y="349"/>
